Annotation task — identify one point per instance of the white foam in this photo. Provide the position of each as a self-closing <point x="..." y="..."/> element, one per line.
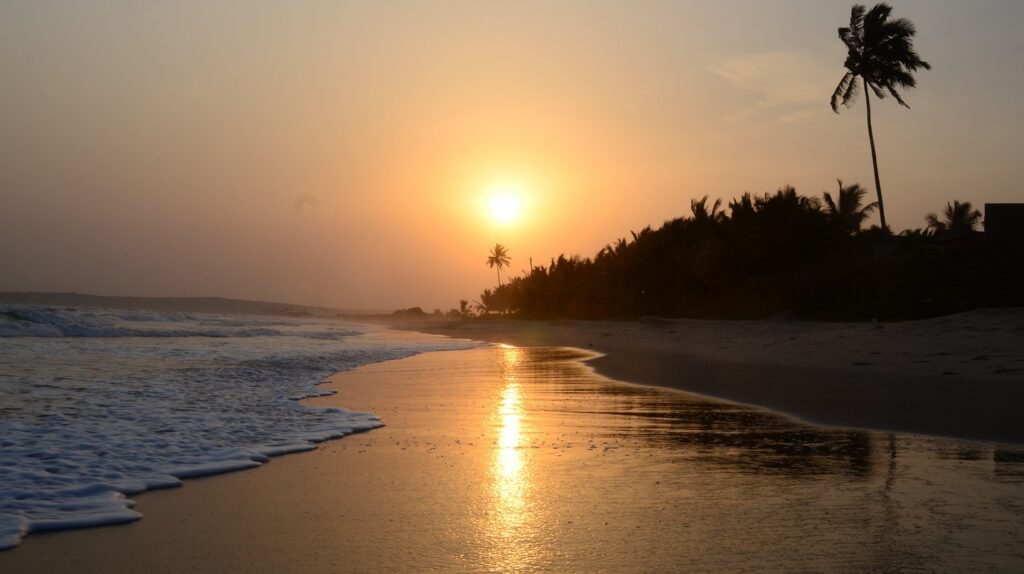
<point x="99" y="405"/>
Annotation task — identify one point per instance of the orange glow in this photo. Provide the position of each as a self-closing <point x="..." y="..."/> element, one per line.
<point x="297" y="140"/>
<point x="504" y="203"/>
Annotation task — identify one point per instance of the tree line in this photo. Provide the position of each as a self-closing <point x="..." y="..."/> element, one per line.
<point x="768" y="254"/>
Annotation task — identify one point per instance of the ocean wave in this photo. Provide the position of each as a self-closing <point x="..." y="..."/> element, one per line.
<point x="88" y="420"/>
<point x="46" y="321"/>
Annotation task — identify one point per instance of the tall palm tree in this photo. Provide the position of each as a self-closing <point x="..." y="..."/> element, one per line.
<point x="498" y="258"/>
<point x="957" y="219"/>
<point x="881" y="53"/>
<point x="846" y="211"/>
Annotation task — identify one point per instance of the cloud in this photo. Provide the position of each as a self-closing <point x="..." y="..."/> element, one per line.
<point x="788" y="86"/>
<point x="303" y="200"/>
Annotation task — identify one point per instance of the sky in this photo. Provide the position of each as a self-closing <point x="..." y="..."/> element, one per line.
<point x="343" y="153"/>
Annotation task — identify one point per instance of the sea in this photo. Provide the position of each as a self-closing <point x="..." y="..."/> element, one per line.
<point x="97" y="405"/>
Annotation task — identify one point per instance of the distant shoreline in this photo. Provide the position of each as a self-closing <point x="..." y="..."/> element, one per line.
<point x="221" y="305"/>
<point x="960" y="376"/>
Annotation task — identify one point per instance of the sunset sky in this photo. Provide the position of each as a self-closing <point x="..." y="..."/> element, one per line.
<point x="344" y="153"/>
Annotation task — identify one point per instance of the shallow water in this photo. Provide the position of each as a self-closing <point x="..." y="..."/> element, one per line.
<point x="618" y="477"/>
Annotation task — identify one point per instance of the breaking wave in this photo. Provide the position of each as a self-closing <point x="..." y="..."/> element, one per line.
<point x="97" y="405"/>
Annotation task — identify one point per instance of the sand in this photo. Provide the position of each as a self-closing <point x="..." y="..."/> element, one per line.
<point x="959" y="376"/>
<point x="524" y="460"/>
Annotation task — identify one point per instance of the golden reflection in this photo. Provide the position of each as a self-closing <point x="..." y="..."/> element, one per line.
<point x="509" y="462"/>
<point x="510" y="357"/>
<point x="510" y="469"/>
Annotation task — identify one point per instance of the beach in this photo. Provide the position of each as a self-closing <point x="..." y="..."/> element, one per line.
<point x="503" y="459"/>
<point x="511" y="287"/>
<point x="959" y="376"/>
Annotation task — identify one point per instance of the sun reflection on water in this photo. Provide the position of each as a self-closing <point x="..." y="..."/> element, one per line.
<point x="509" y="461"/>
<point x="511" y="476"/>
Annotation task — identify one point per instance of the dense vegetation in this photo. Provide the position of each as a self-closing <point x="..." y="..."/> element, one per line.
<point x="772" y="254"/>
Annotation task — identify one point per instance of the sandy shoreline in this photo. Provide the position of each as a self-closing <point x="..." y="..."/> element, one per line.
<point x="521" y="460"/>
<point x="959" y="376"/>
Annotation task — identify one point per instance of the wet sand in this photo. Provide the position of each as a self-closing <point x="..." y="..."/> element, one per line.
<point x="524" y="460"/>
<point x="960" y="376"/>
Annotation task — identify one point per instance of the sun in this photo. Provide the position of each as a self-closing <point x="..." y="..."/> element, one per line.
<point x="505" y="203"/>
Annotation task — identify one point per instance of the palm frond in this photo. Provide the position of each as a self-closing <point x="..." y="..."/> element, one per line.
<point x="846" y="92"/>
<point x="850" y="95"/>
<point x="830" y="206"/>
<point x="857" y="19"/>
<point x="896" y="95"/>
<point x="839" y="96"/>
<point x="876" y="89"/>
<point x="851" y="37"/>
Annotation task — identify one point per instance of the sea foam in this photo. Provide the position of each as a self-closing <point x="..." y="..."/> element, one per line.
<point x="98" y="405"/>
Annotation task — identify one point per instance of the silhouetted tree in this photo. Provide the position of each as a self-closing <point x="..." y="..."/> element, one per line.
<point x="881" y="53"/>
<point x="786" y="200"/>
<point x="742" y="212"/>
<point x="846" y="212"/>
<point x="498" y="258"/>
<point x="957" y="219"/>
<point x="917" y="234"/>
<point x="771" y="253"/>
<point x="701" y="213"/>
<point x="482" y="306"/>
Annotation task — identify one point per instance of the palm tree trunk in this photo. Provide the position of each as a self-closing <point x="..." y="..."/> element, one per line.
<point x="874" y="159"/>
<point x="499" y="275"/>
